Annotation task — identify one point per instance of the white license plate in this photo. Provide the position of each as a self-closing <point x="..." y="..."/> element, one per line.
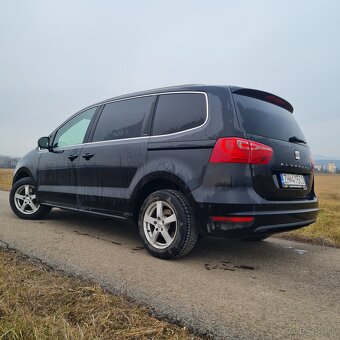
<point x="293" y="181"/>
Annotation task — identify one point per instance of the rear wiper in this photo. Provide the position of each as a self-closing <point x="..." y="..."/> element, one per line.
<point x="294" y="139"/>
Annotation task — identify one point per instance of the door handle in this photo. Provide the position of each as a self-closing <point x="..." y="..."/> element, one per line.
<point x="88" y="155"/>
<point x="72" y="157"/>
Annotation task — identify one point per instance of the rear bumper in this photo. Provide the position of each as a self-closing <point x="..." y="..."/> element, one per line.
<point x="269" y="217"/>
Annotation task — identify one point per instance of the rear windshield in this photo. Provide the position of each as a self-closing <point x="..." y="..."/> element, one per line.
<point x="265" y="119"/>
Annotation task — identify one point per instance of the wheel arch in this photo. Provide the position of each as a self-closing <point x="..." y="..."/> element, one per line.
<point x="22" y="173"/>
<point x="153" y="182"/>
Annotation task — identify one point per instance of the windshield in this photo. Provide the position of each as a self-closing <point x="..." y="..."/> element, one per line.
<point x="265" y="119"/>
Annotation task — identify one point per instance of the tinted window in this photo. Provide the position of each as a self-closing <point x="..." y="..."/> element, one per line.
<point x="266" y="119"/>
<point x="178" y="112"/>
<point x="123" y="119"/>
<point x="73" y="132"/>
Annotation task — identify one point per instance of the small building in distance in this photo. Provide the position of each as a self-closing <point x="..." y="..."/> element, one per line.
<point x="332" y="167"/>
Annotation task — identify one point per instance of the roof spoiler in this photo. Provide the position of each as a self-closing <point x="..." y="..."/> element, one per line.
<point x="265" y="96"/>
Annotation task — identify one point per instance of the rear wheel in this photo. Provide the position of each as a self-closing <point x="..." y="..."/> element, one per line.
<point x="166" y="224"/>
<point x="23" y="200"/>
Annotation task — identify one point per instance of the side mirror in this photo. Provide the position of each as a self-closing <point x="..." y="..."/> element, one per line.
<point x="44" y="143"/>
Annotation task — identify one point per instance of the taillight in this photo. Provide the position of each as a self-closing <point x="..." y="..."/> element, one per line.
<point x="240" y="150"/>
<point x="260" y="153"/>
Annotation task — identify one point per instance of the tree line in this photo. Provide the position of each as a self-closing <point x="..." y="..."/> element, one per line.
<point x="8" y="162"/>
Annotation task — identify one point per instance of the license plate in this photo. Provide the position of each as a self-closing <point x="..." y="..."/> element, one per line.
<point x="293" y="181"/>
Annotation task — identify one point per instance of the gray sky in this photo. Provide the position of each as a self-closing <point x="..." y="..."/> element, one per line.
<point x="57" y="57"/>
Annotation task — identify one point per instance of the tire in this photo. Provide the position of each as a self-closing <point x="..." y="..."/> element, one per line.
<point x="22" y="196"/>
<point x="257" y="238"/>
<point x="180" y="235"/>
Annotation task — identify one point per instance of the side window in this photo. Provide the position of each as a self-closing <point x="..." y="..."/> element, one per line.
<point x="178" y="112"/>
<point x="73" y="132"/>
<point x="123" y="119"/>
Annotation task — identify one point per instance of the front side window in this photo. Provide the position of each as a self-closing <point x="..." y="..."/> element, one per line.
<point x="179" y="112"/>
<point x="73" y="132"/>
<point x="123" y="119"/>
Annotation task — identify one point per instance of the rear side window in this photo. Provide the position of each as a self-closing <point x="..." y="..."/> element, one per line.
<point x="265" y="119"/>
<point x="123" y="119"/>
<point x="178" y="112"/>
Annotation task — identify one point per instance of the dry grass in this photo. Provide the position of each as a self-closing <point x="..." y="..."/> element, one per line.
<point x="326" y="230"/>
<point x="6" y="176"/>
<point x="39" y="304"/>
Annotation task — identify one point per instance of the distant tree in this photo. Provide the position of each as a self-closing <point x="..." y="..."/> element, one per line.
<point x="8" y="162"/>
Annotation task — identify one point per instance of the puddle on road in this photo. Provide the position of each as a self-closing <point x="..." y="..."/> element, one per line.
<point x="245" y="267"/>
<point x="301" y="251"/>
<point x="225" y="265"/>
<point x="298" y="251"/>
<point x="97" y="237"/>
<point x="138" y="248"/>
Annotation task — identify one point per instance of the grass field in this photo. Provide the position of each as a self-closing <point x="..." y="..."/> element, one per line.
<point x="40" y="304"/>
<point x="327" y="228"/>
<point x="6" y="179"/>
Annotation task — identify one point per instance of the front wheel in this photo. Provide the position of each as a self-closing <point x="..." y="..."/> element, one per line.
<point x="166" y="224"/>
<point x="23" y="201"/>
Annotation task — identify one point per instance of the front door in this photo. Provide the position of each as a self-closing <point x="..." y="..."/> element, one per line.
<point x="58" y="168"/>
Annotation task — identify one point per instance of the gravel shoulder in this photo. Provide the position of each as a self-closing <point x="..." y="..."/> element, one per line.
<point x="227" y="288"/>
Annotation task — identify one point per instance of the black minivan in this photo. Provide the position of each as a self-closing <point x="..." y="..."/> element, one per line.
<point x="181" y="162"/>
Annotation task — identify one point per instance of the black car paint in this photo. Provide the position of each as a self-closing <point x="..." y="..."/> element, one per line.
<point x="110" y="182"/>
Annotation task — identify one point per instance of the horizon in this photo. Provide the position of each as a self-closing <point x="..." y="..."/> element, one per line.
<point x="52" y="68"/>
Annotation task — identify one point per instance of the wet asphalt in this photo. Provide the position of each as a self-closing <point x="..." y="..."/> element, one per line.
<point x="225" y="288"/>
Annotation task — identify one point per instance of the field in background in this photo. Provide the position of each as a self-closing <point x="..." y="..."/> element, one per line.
<point x="6" y="179"/>
<point x="40" y="304"/>
<point x="325" y="230"/>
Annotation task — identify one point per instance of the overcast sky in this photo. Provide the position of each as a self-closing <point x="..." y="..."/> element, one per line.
<point x="57" y="57"/>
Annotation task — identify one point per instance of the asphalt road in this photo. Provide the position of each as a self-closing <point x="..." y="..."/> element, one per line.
<point x="227" y="288"/>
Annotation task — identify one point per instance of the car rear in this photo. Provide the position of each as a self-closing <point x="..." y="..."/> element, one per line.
<point x="259" y="179"/>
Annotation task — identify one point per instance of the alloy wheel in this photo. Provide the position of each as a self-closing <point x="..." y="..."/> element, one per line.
<point x="25" y="199"/>
<point x="160" y="224"/>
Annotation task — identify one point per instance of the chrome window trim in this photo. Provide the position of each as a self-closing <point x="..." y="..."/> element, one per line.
<point x="196" y="127"/>
<point x="133" y="97"/>
<point x="116" y="140"/>
<point x="63" y="147"/>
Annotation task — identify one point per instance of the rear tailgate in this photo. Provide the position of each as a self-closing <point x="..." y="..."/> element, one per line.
<point x="268" y="119"/>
